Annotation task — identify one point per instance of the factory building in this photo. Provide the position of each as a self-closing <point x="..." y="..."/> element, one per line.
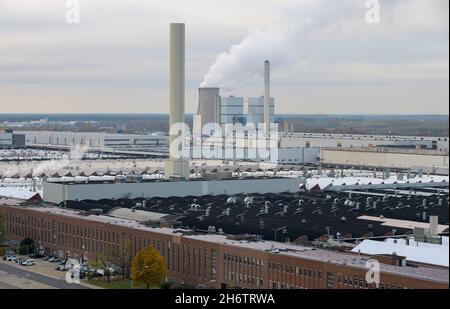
<point x="210" y="261"/>
<point x="57" y="192"/>
<point x="6" y="139"/>
<point x="232" y="110"/>
<point x="9" y="139"/>
<point x="255" y="113"/>
<point x="94" y="139"/>
<point x="358" y="140"/>
<point x="386" y="157"/>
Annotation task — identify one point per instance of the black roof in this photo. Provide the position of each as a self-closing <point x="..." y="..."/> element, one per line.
<point x="317" y="214"/>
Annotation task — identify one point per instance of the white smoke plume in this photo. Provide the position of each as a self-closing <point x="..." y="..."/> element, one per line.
<point x="48" y="167"/>
<point x="281" y="45"/>
<point x="304" y="21"/>
<point x="245" y="60"/>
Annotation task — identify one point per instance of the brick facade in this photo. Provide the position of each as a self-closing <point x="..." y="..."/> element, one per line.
<point x="193" y="261"/>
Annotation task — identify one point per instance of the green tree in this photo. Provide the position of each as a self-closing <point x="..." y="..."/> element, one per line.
<point x="148" y="268"/>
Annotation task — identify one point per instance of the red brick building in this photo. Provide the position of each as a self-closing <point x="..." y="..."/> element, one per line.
<point x="213" y="261"/>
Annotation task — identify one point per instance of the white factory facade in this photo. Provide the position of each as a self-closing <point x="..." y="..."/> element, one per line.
<point x="293" y="148"/>
<point x="94" y="139"/>
<point x="9" y="139"/>
<point x="214" y="108"/>
<point x="6" y="139"/>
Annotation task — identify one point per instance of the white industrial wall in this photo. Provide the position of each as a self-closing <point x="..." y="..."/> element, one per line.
<point x="346" y="141"/>
<point x="57" y="193"/>
<point x="255" y="110"/>
<point x="442" y="144"/>
<point x="63" y="138"/>
<point x="92" y="139"/>
<point x="298" y="155"/>
<point x="6" y="139"/>
<point x="382" y="159"/>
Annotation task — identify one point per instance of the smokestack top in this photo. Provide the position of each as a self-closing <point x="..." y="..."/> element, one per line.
<point x="177" y="25"/>
<point x="210" y="88"/>
<point x="267" y="61"/>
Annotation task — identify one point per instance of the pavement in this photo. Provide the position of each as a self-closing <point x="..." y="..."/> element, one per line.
<point x="40" y="276"/>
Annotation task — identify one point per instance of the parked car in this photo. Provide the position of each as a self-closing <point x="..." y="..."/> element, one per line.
<point x="46" y="258"/>
<point x="61" y="267"/>
<point x="11" y="258"/>
<point x="29" y="262"/>
<point x="99" y="273"/>
<point x="54" y="259"/>
<point x="19" y="261"/>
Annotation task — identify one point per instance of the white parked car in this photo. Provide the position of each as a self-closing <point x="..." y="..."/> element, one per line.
<point x="11" y="258"/>
<point x="54" y="259"/>
<point x="28" y="262"/>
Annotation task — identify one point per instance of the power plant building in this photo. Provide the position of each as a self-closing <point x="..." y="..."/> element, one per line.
<point x="255" y="112"/>
<point x="232" y="110"/>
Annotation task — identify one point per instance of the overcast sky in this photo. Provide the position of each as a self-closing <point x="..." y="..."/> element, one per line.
<point x="326" y="58"/>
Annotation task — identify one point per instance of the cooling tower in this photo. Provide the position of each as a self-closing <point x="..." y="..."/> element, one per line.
<point x="208" y="105"/>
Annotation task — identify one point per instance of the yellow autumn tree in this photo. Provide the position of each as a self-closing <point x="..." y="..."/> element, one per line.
<point x="148" y="268"/>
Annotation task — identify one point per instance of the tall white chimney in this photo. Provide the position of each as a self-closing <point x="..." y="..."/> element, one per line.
<point x="176" y="167"/>
<point x="267" y="96"/>
<point x="177" y="75"/>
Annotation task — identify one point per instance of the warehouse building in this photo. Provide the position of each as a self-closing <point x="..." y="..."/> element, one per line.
<point x="57" y="192"/>
<point x="95" y="139"/>
<point x="292" y="139"/>
<point x="8" y="139"/>
<point x="385" y="157"/>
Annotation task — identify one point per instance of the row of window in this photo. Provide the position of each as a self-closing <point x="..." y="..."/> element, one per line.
<point x="299" y="271"/>
<point x="360" y="283"/>
<point x="243" y="260"/>
<point x="243" y="270"/>
<point x="245" y="279"/>
<point x="190" y="261"/>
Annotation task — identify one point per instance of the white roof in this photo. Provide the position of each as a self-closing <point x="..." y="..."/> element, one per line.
<point x="427" y="253"/>
<point x="325" y="182"/>
<point x="404" y="224"/>
<point x="18" y="193"/>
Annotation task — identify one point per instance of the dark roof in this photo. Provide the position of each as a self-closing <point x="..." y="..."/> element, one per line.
<point x="312" y="219"/>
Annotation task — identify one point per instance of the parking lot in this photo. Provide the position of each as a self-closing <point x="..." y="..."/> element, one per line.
<point x="42" y="275"/>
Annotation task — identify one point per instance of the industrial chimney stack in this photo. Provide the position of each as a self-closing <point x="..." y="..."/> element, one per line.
<point x="176" y="167"/>
<point x="267" y="96"/>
